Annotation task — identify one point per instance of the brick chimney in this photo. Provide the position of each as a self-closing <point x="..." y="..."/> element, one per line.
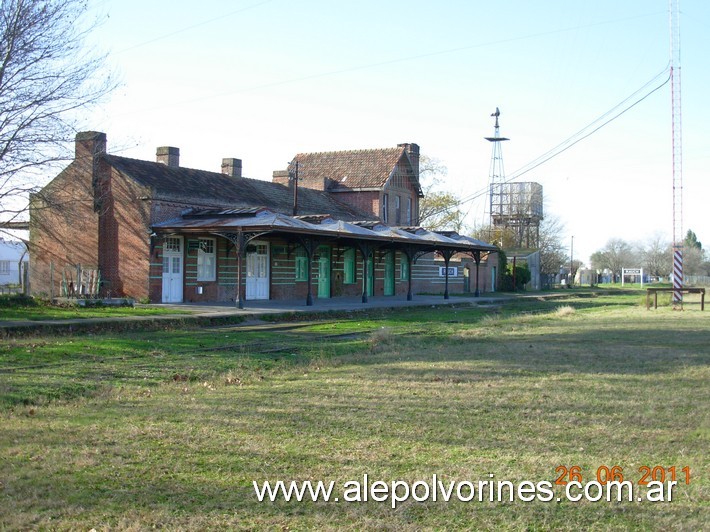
<point x="232" y="167"/>
<point x="281" y="177"/>
<point x="168" y="155"/>
<point x="88" y="149"/>
<point x="89" y="145"/>
<point x="413" y="152"/>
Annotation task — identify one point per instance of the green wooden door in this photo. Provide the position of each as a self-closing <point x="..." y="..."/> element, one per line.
<point x="323" y="271"/>
<point x="389" y="274"/>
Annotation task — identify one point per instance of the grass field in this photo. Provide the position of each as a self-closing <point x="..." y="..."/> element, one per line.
<point x="18" y="308"/>
<point x="169" y="429"/>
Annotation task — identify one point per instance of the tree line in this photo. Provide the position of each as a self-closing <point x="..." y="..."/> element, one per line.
<point x="655" y="256"/>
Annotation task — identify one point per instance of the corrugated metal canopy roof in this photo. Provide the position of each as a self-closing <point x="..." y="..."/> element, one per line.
<point x="264" y="220"/>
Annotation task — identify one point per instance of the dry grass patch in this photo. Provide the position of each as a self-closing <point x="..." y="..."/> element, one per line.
<point x="381" y="339"/>
<point x="565" y="311"/>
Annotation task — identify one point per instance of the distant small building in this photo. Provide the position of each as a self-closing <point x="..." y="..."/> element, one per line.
<point x="587" y="276"/>
<point x="13" y="260"/>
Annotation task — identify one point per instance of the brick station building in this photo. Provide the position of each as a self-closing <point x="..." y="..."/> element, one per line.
<point x="159" y="231"/>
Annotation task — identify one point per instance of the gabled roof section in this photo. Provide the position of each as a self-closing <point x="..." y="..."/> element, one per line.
<point x="349" y="170"/>
<point x="219" y="190"/>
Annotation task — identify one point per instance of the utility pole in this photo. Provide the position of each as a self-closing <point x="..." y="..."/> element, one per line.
<point x="571" y="262"/>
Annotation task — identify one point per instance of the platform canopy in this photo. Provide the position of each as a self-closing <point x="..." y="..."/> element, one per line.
<point x="242" y="225"/>
<point x="265" y="222"/>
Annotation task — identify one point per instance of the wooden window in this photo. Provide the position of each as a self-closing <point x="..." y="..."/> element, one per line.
<point x="385" y="208"/>
<point x="397" y="210"/>
<point x="206" y="260"/>
<point x="349" y="266"/>
<point x="301" y="265"/>
<point x="408" y="218"/>
<point x="172" y="244"/>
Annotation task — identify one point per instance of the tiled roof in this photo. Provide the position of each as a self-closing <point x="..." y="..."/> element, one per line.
<point x="201" y="187"/>
<point x="355" y="169"/>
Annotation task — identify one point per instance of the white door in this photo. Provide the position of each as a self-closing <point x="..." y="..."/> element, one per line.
<point x="258" y="271"/>
<point x="172" y="270"/>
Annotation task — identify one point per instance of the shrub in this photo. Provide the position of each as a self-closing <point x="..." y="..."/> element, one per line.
<point x="17" y="300"/>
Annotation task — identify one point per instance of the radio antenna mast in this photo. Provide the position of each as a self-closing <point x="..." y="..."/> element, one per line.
<point x="677" y="153"/>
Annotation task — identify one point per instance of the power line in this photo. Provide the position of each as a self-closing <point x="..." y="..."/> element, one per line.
<point x="192" y="26"/>
<point x="355" y="68"/>
<point x="582" y="134"/>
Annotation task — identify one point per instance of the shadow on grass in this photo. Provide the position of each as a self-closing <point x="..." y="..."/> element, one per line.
<point x="523" y="336"/>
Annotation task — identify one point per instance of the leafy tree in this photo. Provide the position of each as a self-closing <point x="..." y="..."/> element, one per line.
<point x="47" y="76"/>
<point x="691" y="241"/>
<point x="512" y="278"/>
<point x="694" y="262"/>
<point x="553" y="250"/>
<point x="502" y="237"/>
<point x="438" y="209"/>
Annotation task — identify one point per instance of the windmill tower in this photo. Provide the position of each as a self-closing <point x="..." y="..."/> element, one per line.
<point x="496" y="174"/>
<point x="515" y="207"/>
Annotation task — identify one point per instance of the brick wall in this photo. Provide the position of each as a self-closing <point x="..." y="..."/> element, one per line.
<point x="363" y="201"/>
<point x="64" y="229"/>
<point x="124" y="241"/>
<point x="91" y="215"/>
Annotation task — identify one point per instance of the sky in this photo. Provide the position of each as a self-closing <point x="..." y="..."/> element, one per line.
<point x="263" y="80"/>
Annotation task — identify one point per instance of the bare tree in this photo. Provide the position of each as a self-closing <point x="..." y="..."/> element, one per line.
<point x="47" y="78"/>
<point x="616" y="255"/>
<point x="553" y="251"/>
<point x="656" y="256"/>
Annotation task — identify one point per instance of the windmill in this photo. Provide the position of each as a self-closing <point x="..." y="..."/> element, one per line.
<point x="515" y="207"/>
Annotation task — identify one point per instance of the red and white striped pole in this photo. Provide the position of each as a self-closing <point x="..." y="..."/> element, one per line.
<point x="676" y="127"/>
<point x="677" y="275"/>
